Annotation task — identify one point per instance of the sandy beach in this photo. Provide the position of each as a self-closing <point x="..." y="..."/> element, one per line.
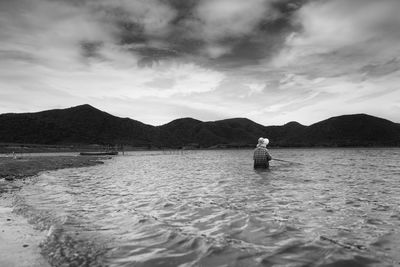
<point x="19" y="241"/>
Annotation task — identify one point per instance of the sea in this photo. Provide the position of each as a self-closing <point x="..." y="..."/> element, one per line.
<point x="321" y="207"/>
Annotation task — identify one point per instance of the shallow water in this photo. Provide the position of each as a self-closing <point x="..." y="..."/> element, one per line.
<point x="340" y="207"/>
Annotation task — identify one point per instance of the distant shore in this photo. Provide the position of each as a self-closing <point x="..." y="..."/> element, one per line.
<point x="25" y="151"/>
<point x="19" y="241"/>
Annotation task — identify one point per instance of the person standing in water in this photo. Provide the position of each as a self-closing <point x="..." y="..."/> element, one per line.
<point x="261" y="155"/>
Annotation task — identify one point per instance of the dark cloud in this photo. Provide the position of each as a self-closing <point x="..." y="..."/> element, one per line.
<point x="130" y="32"/>
<point x="161" y="29"/>
<point x="218" y="33"/>
<point x="288" y="6"/>
<point x="91" y="49"/>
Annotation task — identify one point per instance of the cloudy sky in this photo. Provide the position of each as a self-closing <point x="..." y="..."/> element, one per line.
<point x="272" y="61"/>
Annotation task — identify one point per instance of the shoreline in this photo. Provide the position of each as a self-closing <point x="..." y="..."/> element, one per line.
<point x="19" y="240"/>
<point x="68" y="153"/>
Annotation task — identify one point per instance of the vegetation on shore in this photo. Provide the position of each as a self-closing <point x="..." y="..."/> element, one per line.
<point x="11" y="169"/>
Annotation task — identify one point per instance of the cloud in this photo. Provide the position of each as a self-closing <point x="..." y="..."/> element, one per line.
<point x="60" y="52"/>
<point x="381" y="69"/>
<point x="156" y="30"/>
<point x="343" y="50"/>
<point x="355" y="29"/>
<point x="151" y="17"/>
<point x="233" y="30"/>
<point x="220" y="19"/>
<point x="172" y="29"/>
<point x="272" y="60"/>
<point x="49" y="33"/>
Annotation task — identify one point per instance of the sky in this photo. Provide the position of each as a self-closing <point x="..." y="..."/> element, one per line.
<point x="272" y="61"/>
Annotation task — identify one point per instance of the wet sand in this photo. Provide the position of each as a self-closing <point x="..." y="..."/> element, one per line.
<point x="19" y="241"/>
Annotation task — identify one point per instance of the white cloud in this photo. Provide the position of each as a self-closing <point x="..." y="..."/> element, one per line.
<point x="359" y="27"/>
<point x="50" y="33"/>
<point x="255" y="88"/>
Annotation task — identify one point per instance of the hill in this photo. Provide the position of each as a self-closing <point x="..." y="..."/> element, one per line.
<point x="82" y="125"/>
<point x="77" y="125"/>
<point x="353" y="130"/>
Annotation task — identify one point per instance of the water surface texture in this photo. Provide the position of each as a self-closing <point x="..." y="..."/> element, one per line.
<point x="340" y="207"/>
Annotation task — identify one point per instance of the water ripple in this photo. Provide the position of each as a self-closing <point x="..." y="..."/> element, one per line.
<point x="210" y="208"/>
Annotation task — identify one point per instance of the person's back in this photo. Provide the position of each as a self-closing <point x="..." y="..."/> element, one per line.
<point x="261" y="155"/>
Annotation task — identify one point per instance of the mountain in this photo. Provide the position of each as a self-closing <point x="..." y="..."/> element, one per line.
<point x="177" y="133"/>
<point x="286" y="135"/>
<point x="85" y="124"/>
<point x="77" y="125"/>
<point x="353" y="130"/>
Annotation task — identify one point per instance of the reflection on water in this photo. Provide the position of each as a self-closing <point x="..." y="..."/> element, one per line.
<point x="210" y="208"/>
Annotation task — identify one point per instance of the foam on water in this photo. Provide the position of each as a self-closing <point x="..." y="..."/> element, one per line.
<point x="210" y="208"/>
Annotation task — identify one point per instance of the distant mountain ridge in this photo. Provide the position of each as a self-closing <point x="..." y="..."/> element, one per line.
<point x="85" y="124"/>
